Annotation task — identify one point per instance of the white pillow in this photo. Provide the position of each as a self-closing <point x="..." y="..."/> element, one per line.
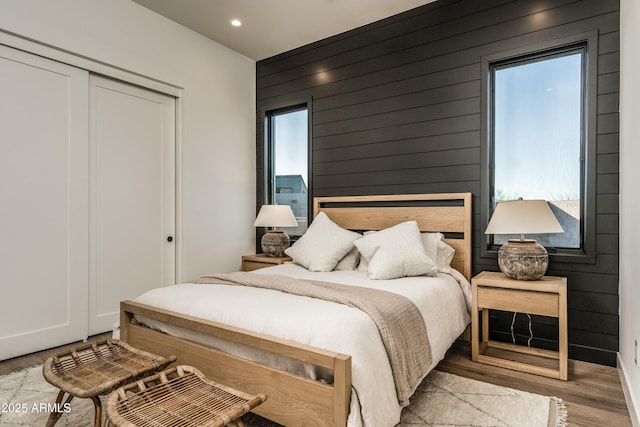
<point x="323" y="245"/>
<point x="430" y="242"/>
<point x="396" y="252"/>
<point x="444" y="257"/>
<point x="438" y="250"/>
<point x="363" y="265"/>
<point x="349" y="261"/>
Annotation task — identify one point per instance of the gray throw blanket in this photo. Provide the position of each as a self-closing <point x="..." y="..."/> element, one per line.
<point x="399" y="321"/>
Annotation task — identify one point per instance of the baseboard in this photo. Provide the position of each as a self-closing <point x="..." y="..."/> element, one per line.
<point x="633" y="410"/>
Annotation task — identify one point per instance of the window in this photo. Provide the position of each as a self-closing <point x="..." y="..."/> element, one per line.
<point x="287" y="145"/>
<point x="538" y="137"/>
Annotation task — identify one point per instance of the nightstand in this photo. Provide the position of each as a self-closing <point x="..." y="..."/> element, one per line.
<point x="544" y="297"/>
<point x="256" y="262"/>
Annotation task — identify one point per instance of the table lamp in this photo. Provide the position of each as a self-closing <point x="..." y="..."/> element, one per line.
<point x="523" y="259"/>
<point x="274" y="242"/>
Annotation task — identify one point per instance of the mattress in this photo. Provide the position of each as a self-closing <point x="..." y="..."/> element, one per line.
<point x="443" y="301"/>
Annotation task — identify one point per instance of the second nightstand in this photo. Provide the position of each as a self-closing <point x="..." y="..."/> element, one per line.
<point x="256" y="262"/>
<point x="544" y="297"/>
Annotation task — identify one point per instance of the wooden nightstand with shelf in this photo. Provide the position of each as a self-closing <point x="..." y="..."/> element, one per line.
<point x="544" y="297"/>
<point x="256" y="262"/>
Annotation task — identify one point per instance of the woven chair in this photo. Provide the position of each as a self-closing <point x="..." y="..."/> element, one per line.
<point x="179" y="396"/>
<point x="95" y="369"/>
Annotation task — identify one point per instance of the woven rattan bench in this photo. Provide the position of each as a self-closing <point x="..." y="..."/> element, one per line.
<point x="95" y="369"/>
<point x="178" y="396"/>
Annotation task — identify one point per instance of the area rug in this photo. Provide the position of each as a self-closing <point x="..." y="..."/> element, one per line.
<point x="442" y="399"/>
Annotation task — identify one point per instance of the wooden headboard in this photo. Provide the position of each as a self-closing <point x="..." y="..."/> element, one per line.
<point x="448" y="213"/>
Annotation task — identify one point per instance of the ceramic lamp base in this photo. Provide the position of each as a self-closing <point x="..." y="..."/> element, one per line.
<point x="523" y="259"/>
<point x="274" y="243"/>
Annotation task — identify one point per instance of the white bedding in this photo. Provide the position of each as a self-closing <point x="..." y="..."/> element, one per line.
<point x="442" y="300"/>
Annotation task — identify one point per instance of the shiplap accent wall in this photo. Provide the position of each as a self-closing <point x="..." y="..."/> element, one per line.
<point x="396" y="109"/>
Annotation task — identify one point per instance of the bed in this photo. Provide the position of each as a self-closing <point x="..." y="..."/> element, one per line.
<point x="340" y="388"/>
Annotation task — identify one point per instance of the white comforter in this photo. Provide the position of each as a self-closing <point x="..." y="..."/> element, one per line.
<point x="443" y="302"/>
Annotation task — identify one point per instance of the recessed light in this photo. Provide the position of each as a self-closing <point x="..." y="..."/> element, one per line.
<point x="236" y="22"/>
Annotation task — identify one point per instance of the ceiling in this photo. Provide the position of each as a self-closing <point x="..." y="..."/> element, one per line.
<point x="270" y="27"/>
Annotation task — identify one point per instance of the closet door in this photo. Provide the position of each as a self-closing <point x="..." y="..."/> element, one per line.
<point x="43" y="203"/>
<point x="132" y="168"/>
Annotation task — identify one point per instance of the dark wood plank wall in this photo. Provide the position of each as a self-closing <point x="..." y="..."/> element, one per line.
<point x="396" y="109"/>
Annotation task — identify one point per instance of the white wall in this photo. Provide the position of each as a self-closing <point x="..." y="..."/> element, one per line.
<point x="217" y="133"/>
<point x="630" y="198"/>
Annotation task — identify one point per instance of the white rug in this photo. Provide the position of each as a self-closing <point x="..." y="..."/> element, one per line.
<point x="441" y="400"/>
<point x="449" y="400"/>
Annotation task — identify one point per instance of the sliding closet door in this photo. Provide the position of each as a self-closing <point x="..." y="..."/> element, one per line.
<point x="132" y="168"/>
<point x="43" y="203"/>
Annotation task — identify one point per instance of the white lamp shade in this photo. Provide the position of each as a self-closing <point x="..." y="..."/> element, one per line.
<point x="275" y="216"/>
<point x="523" y="217"/>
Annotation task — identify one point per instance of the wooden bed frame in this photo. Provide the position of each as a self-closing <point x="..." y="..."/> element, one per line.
<point x="293" y="399"/>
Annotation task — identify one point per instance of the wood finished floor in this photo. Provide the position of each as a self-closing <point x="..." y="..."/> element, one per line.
<point x="593" y="393"/>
